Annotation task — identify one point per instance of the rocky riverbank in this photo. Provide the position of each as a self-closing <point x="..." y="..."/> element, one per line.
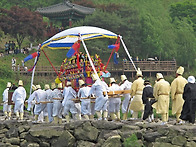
<point x="95" y="134"/>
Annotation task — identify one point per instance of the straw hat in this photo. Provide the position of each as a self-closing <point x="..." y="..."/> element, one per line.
<point x="34" y="87"/>
<point x="139" y="72"/>
<point x="38" y="87"/>
<point x="20" y="83"/>
<point x="47" y="86"/>
<point x="68" y="83"/>
<point x="9" y="84"/>
<point x="180" y="70"/>
<point x="191" y="79"/>
<point x="112" y="80"/>
<point x="159" y="76"/>
<point x="123" y="77"/>
<point x="53" y="85"/>
<point x="94" y="77"/>
<point x="81" y="82"/>
<point x="60" y="85"/>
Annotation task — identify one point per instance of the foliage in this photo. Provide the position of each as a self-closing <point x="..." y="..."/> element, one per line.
<point x="21" y="23"/>
<point x="131" y="141"/>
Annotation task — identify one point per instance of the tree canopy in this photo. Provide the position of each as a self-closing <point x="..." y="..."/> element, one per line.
<point x="21" y="23"/>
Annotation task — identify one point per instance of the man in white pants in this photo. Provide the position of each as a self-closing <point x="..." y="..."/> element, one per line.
<point x="18" y="98"/>
<point x="114" y="103"/>
<point x="69" y="104"/>
<point x="49" y="105"/>
<point x="126" y="85"/>
<point x="101" y="102"/>
<point x="57" y="97"/>
<point x="85" y="103"/>
<point x="7" y="108"/>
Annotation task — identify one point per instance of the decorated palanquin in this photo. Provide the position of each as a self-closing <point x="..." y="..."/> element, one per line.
<point x="78" y="67"/>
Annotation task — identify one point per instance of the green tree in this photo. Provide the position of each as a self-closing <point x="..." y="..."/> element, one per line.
<point x="21" y="23"/>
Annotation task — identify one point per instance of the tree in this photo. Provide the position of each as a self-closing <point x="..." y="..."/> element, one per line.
<point x="21" y="23"/>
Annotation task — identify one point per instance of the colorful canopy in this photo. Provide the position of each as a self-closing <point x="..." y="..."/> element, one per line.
<point x="65" y="39"/>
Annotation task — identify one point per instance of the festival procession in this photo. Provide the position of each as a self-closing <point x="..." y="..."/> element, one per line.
<point x="80" y="91"/>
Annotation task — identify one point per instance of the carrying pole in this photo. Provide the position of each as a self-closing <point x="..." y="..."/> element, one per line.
<point x="128" y="53"/>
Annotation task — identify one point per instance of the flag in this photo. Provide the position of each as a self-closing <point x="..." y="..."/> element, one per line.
<point x="115" y="46"/>
<point x="115" y="58"/>
<point x="29" y="57"/>
<point x="74" y="49"/>
<point x="38" y="54"/>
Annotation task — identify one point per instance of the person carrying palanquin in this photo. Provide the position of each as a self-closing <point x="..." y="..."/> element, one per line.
<point x="161" y="93"/>
<point x="177" y="88"/>
<point x="18" y="98"/>
<point x="136" y="92"/>
<point x="49" y="99"/>
<point x="114" y="103"/>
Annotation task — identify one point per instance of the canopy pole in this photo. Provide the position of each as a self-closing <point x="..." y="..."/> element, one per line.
<point x="128" y="53"/>
<point x="91" y="62"/>
<point x="50" y="62"/>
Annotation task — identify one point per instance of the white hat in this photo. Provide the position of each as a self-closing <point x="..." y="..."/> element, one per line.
<point x="81" y="82"/>
<point x="68" y="83"/>
<point x="38" y="87"/>
<point x="191" y="79"/>
<point x="94" y="77"/>
<point x="20" y="83"/>
<point x="34" y="87"/>
<point x="53" y="86"/>
<point x="180" y="70"/>
<point x="159" y="76"/>
<point x="9" y="84"/>
<point x="60" y="85"/>
<point x="139" y="72"/>
<point x="112" y="80"/>
<point x="47" y="86"/>
<point x="123" y="77"/>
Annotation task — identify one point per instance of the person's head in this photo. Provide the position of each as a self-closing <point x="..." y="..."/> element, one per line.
<point x="20" y="83"/>
<point x="60" y="86"/>
<point x="46" y="87"/>
<point x="139" y="73"/>
<point x="81" y="83"/>
<point x="68" y="83"/>
<point x="159" y="76"/>
<point x="112" y="80"/>
<point x="94" y="77"/>
<point x="38" y="87"/>
<point x="191" y="79"/>
<point x="180" y="70"/>
<point x="53" y="85"/>
<point x="123" y="78"/>
<point x="146" y="82"/>
<point x="34" y="87"/>
<point x="9" y="84"/>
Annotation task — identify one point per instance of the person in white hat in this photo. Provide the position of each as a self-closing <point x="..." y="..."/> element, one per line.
<point x="136" y="92"/>
<point x="126" y="85"/>
<point x="57" y="97"/>
<point x="18" y="98"/>
<point x="177" y="88"/>
<point x="31" y="100"/>
<point x="49" y="105"/>
<point x="161" y="93"/>
<point x="69" y="104"/>
<point x="189" y="96"/>
<point x="114" y="103"/>
<point x="101" y="102"/>
<point x="39" y="96"/>
<point x="7" y="108"/>
<point x="85" y="103"/>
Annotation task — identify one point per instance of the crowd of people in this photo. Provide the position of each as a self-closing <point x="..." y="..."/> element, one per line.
<point x="57" y="101"/>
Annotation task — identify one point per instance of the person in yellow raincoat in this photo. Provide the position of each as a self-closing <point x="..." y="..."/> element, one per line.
<point x="177" y="88"/>
<point x="161" y="93"/>
<point x="136" y="92"/>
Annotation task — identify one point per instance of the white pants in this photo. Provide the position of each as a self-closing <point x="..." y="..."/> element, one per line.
<point x="7" y="108"/>
<point x="101" y="103"/>
<point x="19" y="106"/>
<point x="57" y="108"/>
<point x="70" y="107"/>
<point x="114" y="105"/>
<point x="50" y="110"/>
<point x="125" y="104"/>
<point x="85" y="107"/>
<point x="39" y="108"/>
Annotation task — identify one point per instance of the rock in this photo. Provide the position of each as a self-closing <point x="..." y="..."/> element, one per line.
<point x="12" y="132"/>
<point x="46" y="133"/>
<point x="179" y="140"/>
<point x="72" y="126"/>
<point x="111" y="133"/>
<point x="44" y="144"/>
<point x="163" y="144"/>
<point x="106" y="125"/>
<point x="163" y="139"/>
<point x="86" y="132"/>
<point x="33" y="145"/>
<point x="2" y="144"/>
<point x="23" y="143"/>
<point x="21" y="129"/>
<point x="190" y="144"/>
<point x="114" y="141"/>
<point x="82" y="143"/>
<point x="27" y="128"/>
<point x="3" y="131"/>
<point x="126" y="128"/>
<point x="2" y="126"/>
<point x="65" y="140"/>
<point x="150" y="137"/>
<point x="13" y="141"/>
<point x="23" y="135"/>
